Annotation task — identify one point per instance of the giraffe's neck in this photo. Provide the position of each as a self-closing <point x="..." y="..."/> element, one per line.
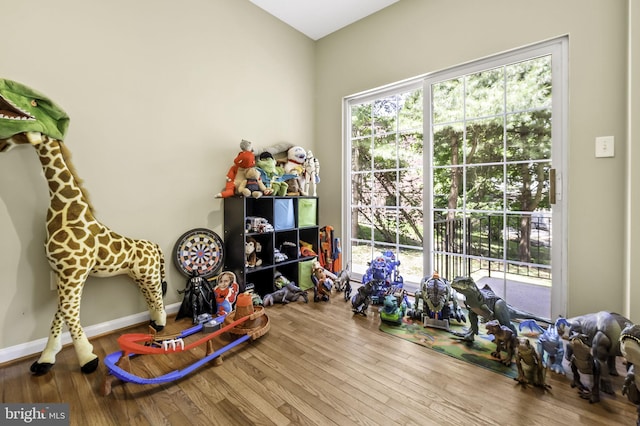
<point x="69" y="206"/>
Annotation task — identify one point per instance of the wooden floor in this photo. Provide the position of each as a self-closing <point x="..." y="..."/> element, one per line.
<point x="318" y="365"/>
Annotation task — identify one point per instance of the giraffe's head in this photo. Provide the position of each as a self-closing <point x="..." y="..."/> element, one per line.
<point x="25" y="113"/>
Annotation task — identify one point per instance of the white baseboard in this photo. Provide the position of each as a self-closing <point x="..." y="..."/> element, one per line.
<point x="36" y="346"/>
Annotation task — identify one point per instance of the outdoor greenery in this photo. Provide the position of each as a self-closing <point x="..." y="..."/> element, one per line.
<point x="490" y="157"/>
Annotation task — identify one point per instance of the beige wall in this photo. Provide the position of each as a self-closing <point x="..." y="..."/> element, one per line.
<point x="632" y="249"/>
<point x="160" y="94"/>
<point x="414" y="37"/>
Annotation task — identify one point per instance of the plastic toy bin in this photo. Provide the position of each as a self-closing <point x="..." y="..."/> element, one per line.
<point x="304" y="274"/>
<point x="307" y="212"/>
<point x="283" y="215"/>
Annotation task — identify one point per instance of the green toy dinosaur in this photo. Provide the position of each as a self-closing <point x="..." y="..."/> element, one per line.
<point x="485" y="303"/>
<point x="23" y="109"/>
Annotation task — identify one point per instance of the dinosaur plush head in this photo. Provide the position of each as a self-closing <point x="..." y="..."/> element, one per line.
<point x="24" y="110"/>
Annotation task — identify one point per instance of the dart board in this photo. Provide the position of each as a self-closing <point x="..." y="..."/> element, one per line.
<point x="199" y="250"/>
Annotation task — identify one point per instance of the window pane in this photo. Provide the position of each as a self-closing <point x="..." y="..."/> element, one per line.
<point x="448" y="101"/>
<point x="411" y="185"/>
<point x="529" y="135"/>
<point x="527" y="243"/>
<point x="410" y="114"/>
<point x="361" y="188"/>
<point x="410" y="150"/>
<point x="361" y="120"/>
<point x="484" y="187"/>
<point x="447" y="145"/>
<point x="385" y="152"/>
<point x="361" y="154"/>
<point x="528" y="186"/>
<point x="385" y="111"/>
<point x="411" y="227"/>
<point x="529" y="84"/>
<point x="385" y="221"/>
<point x="361" y="221"/>
<point x="484" y="143"/>
<point x="485" y="235"/>
<point x="446" y="195"/>
<point x="485" y="93"/>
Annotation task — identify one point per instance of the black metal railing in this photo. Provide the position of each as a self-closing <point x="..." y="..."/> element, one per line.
<point x="478" y="243"/>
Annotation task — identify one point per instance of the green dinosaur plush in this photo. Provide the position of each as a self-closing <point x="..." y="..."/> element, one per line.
<point x="270" y="174"/>
<point x="37" y="113"/>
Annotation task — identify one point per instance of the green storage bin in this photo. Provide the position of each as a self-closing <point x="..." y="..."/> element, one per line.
<point x="307" y="212"/>
<point x="304" y="274"/>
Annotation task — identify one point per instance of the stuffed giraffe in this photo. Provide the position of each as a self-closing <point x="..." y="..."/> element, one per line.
<point x="77" y="244"/>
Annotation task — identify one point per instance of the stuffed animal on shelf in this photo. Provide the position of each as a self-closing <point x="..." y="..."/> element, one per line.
<point x="295" y="165"/>
<point x="252" y="185"/>
<point x="251" y="249"/>
<point x="322" y="284"/>
<point x="236" y="173"/>
<point x="225" y="292"/>
<point x="311" y="174"/>
<point x="271" y="174"/>
<point x="293" y="185"/>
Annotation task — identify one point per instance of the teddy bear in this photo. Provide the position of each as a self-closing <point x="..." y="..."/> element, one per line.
<point x="251" y="248"/>
<point x="271" y="174"/>
<point x="252" y="185"/>
<point x="236" y="173"/>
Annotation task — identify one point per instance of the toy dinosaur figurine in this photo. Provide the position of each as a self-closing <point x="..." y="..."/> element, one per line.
<point x="630" y="348"/>
<point x="505" y="341"/>
<point x="77" y="244"/>
<point x="361" y="300"/>
<point x="551" y="349"/>
<point x="583" y="361"/>
<point x="393" y="309"/>
<point x="602" y="330"/>
<point x="486" y="304"/>
<point x="531" y="369"/>
<point x="289" y="293"/>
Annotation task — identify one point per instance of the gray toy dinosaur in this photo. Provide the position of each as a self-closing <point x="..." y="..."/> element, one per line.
<point x="485" y="303"/>
<point x="288" y="293"/>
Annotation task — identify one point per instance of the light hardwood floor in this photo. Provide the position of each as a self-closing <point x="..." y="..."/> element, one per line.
<point x="318" y="365"/>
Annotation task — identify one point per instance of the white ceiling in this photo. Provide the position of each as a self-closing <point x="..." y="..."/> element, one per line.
<point x="318" y="18"/>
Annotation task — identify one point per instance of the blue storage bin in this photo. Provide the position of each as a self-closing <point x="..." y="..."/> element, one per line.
<point x="283" y="214"/>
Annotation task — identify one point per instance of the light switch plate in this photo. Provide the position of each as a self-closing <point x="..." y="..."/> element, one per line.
<point x="605" y="146"/>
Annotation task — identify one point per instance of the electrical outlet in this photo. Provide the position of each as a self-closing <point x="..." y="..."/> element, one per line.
<point x="604" y="146"/>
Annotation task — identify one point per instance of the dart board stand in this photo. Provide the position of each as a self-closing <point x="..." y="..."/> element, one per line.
<point x="199" y="250"/>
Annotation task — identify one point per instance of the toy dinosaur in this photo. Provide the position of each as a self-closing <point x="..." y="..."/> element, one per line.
<point x="361" y="300"/>
<point x="531" y="369"/>
<point x="393" y="309"/>
<point x="486" y="304"/>
<point x="343" y="283"/>
<point x="505" y="341"/>
<point x="603" y="334"/>
<point x="77" y="245"/>
<point x="630" y="348"/>
<point x="288" y="293"/>
<point x="582" y="361"/>
<point x="551" y="349"/>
